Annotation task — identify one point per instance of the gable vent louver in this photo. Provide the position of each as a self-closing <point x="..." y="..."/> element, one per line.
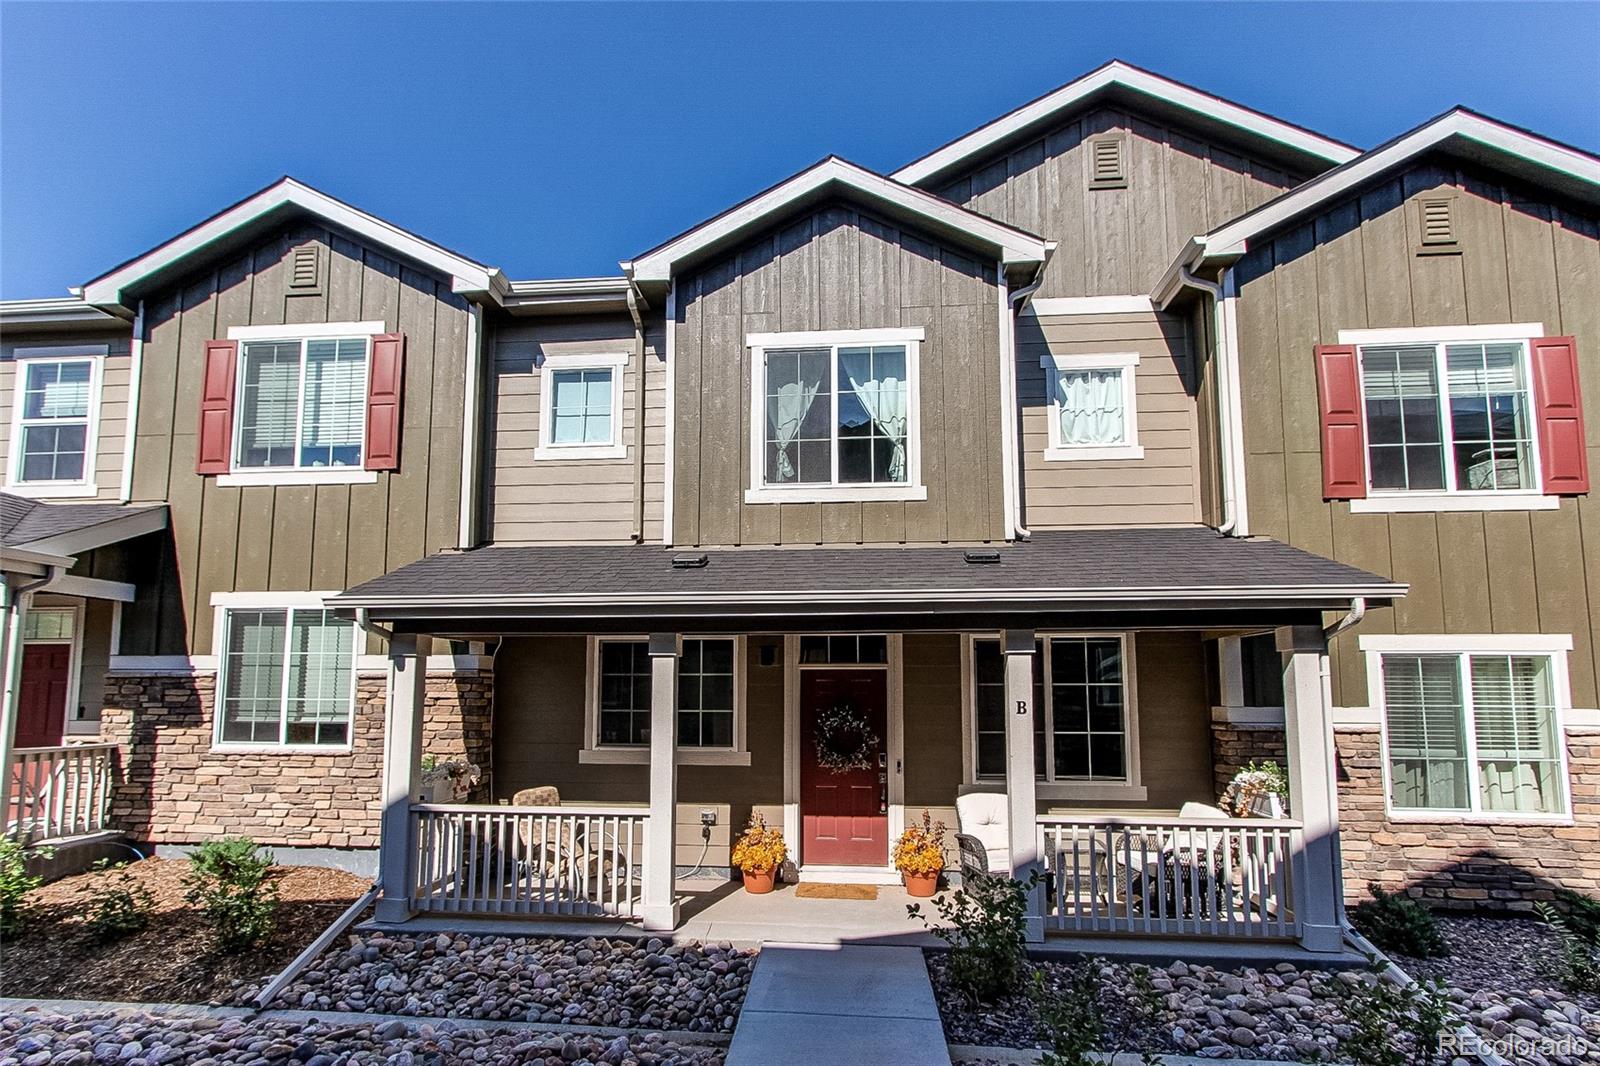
<point x="303" y="268"/>
<point x="1438" y="224"/>
<point x="1107" y="170"/>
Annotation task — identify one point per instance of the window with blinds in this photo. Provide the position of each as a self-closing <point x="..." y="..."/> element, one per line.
<point x="1475" y="733"/>
<point x="1473" y="435"/>
<point x="302" y="403"/>
<point x="53" y="423"/>
<point x="288" y="678"/>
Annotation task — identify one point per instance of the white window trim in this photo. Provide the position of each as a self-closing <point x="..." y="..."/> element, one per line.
<point x="1130" y="790"/>
<point x="1395" y="501"/>
<point x="1554" y="645"/>
<point x="240" y="476"/>
<point x="69" y="713"/>
<point x="86" y="486"/>
<point x="1127" y="362"/>
<point x="760" y="492"/>
<point x="223" y="602"/>
<point x="594" y="753"/>
<point x="547" y="449"/>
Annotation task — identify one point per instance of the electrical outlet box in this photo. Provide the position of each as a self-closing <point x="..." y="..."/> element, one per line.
<point x="708" y="817"/>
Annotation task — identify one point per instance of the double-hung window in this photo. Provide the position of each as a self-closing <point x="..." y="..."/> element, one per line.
<point x="287" y="678"/>
<point x="710" y="713"/>
<point x="836" y="416"/>
<point x="580" y="408"/>
<point x="1474" y="733"/>
<point x="1092" y="406"/>
<point x="1084" y="724"/>
<point x="53" y="435"/>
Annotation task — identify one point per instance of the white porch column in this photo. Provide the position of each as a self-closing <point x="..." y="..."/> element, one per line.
<point x="1022" y="802"/>
<point x="12" y="612"/>
<point x="1318" y="879"/>
<point x="402" y="768"/>
<point x="660" y="910"/>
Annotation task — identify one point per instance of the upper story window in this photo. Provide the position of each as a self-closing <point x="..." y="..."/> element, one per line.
<point x="1093" y="410"/>
<point x="287" y="677"/>
<point x="580" y="407"/>
<point x="54" y="420"/>
<point x="836" y="416"/>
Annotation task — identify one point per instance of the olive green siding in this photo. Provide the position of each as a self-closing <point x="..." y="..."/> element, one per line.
<point x="1115" y="241"/>
<point x="839" y="269"/>
<point x="295" y="537"/>
<point x="1521" y="259"/>
<point x="111" y="428"/>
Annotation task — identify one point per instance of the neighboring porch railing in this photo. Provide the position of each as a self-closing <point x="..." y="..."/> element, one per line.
<point x="60" y="791"/>
<point x="528" y="860"/>
<point x="1171" y="876"/>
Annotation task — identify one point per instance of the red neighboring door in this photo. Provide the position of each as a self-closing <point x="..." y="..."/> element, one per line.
<point x="844" y="816"/>
<point x="42" y="702"/>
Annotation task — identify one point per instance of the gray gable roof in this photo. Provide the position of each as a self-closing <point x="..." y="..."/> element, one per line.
<point x="24" y="521"/>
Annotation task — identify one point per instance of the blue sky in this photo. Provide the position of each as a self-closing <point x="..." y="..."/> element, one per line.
<point x="552" y="140"/>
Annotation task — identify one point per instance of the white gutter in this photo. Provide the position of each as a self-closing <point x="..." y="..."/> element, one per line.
<point x="1234" y="521"/>
<point x="1015" y="510"/>
<point x="131" y="426"/>
<point x="1358" y="611"/>
<point x="670" y="349"/>
<point x="467" y="532"/>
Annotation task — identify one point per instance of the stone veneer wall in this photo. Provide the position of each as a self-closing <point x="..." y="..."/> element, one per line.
<point x="172" y="788"/>
<point x="1234" y="746"/>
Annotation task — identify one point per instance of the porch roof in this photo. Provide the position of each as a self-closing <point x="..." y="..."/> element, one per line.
<point x="73" y="527"/>
<point x="1077" y="571"/>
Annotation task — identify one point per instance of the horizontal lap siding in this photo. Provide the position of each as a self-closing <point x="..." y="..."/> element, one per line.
<point x="1114" y="242"/>
<point x="1521" y="260"/>
<point x="839" y="269"/>
<point x="1162" y="488"/>
<point x="570" y="501"/>
<point x="297" y="537"/>
<point x="111" y="430"/>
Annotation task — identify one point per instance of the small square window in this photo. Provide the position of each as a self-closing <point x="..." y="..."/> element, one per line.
<point x="1092" y="407"/>
<point x="580" y="408"/>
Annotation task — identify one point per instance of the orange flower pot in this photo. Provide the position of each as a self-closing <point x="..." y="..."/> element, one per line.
<point x="921" y="885"/>
<point x="759" y="882"/>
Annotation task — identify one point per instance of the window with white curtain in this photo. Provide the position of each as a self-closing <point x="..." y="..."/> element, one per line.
<point x="837" y="416"/>
<point x="287" y="678"/>
<point x="54" y="433"/>
<point x="301" y="403"/>
<point x="1476" y="733"/>
<point x="1092" y="406"/>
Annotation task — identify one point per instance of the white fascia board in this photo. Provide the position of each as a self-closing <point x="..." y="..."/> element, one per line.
<point x="30" y="560"/>
<point x="102" y="533"/>
<point x="1013" y="245"/>
<point x="54" y="310"/>
<point x="1140" y="81"/>
<point x="466" y="275"/>
<point x="1447" y="643"/>
<point x="1233" y="239"/>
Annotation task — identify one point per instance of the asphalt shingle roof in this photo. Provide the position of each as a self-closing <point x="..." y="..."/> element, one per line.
<point x="24" y="521"/>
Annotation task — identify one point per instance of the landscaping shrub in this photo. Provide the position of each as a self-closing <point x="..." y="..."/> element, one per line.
<point x="1378" y="1010"/>
<point x="1582" y="914"/>
<point x="118" y="905"/>
<point x="982" y="921"/>
<point x="1397" y="923"/>
<point x="1070" y="1021"/>
<point x="228" y="880"/>
<point x="1580" y="942"/>
<point x="15" y="884"/>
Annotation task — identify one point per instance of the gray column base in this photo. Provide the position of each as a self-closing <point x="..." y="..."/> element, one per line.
<point x="659" y="917"/>
<point x="393" y="910"/>
<point x="1326" y="939"/>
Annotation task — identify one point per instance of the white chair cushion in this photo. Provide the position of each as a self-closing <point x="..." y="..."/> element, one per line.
<point x="983" y="815"/>
<point x="1193" y="809"/>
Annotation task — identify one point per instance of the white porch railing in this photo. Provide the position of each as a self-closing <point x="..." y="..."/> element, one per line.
<point x="528" y="860"/>
<point x="1225" y="878"/>
<point x="60" y="791"/>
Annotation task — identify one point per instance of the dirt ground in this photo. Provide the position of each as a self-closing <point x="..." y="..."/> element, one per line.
<point x="173" y="960"/>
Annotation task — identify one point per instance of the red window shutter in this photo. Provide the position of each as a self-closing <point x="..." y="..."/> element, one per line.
<point x="1562" y="445"/>
<point x="386" y="379"/>
<point x="214" y="450"/>
<point x="1344" y="460"/>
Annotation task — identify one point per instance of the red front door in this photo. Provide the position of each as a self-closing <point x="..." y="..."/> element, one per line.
<point x="42" y="701"/>
<point x="844" y="813"/>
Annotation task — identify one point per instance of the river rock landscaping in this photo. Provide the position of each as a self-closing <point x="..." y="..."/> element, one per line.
<point x="38" y="1037"/>
<point x="595" y="981"/>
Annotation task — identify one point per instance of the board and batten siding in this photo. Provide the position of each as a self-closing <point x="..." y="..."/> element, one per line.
<point x="1115" y="241"/>
<point x="570" y="501"/>
<point x="1162" y="488"/>
<point x="112" y="428"/>
<point x="838" y="268"/>
<point x="294" y="537"/>
<point x="1356" y="266"/>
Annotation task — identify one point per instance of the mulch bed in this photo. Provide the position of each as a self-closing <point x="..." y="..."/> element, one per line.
<point x="173" y="960"/>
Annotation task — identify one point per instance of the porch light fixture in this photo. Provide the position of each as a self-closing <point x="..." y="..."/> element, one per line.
<point x="983" y="557"/>
<point x="690" y="562"/>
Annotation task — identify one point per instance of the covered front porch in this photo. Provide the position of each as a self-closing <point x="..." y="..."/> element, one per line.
<point x="629" y="751"/>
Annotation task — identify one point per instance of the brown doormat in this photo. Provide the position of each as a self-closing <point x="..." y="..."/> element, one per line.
<point x="819" y="890"/>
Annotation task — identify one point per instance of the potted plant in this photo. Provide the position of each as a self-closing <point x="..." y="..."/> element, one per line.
<point x="919" y="856"/>
<point x="758" y="853"/>
<point x="449" y="780"/>
<point x="1260" y="787"/>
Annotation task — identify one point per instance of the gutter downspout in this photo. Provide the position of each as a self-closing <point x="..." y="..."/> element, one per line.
<point x="1225" y="413"/>
<point x="1018" y="300"/>
<point x="372" y="628"/>
<point x="471" y="431"/>
<point x="1358" y="611"/>
<point x="641" y="372"/>
<point x="135" y="372"/>
<point x="16" y="599"/>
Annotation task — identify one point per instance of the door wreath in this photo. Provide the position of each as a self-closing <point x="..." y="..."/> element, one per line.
<point x="844" y="740"/>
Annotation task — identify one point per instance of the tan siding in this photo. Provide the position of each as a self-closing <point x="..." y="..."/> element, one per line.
<point x="1355" y="267"/>
<point x="1162" y="488"/>
<point x="297" y="538"/>
<point x="1116" y="241"/>
<point x="111" y="429"/>
<point x="839" y="269"/>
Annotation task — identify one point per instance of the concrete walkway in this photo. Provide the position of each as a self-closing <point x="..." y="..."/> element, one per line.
<point x="810" y="1004"/>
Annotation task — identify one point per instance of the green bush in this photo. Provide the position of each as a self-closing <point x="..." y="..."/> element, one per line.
<point x="1071" y="1020"/>
<point x="1580" y="943"/>
<point x="118" y="904"/>
<point x="983" y="924"/>
<point x="15" y="884"/>
<point x="1397" y="923"/>
<point x="1378" y="1010"/>
<point x="228" y="880"/>
<point x="1582" y="915"/>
